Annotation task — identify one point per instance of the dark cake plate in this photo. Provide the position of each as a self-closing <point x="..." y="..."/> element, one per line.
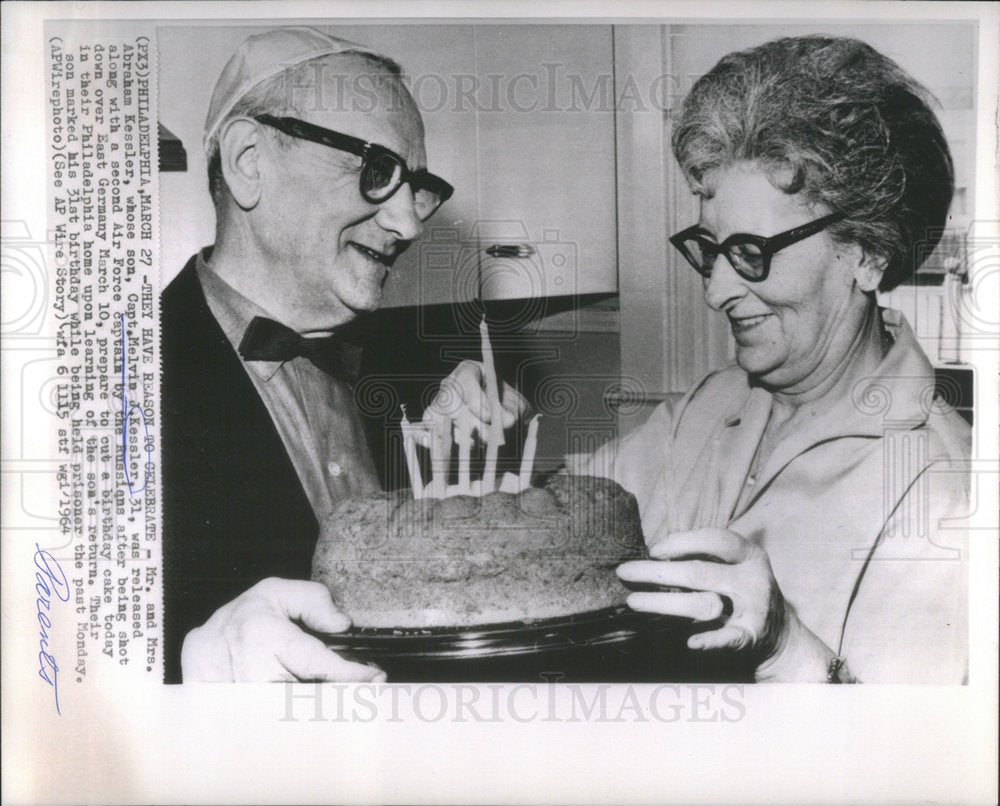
<point x="612" y="645"/>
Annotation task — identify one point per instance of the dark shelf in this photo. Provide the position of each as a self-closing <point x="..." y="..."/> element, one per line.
<point x="173" y="157"/>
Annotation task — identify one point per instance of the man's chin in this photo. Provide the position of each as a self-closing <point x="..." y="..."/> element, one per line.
<point x="367" y="301"/>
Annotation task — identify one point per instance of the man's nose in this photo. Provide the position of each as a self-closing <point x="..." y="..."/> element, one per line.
<point x="398" y="215"/>
<point x="723" y="286"/>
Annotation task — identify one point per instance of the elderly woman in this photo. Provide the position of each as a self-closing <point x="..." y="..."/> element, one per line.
<point x="796" y="503"/>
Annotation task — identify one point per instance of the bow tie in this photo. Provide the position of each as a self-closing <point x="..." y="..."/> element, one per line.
<point x="267" y="340"/>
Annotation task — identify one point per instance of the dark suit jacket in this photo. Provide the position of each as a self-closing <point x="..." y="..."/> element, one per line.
<point x="234" y="511"/>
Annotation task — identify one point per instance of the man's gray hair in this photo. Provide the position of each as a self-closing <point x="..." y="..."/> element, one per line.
<point x="287" y="93"/>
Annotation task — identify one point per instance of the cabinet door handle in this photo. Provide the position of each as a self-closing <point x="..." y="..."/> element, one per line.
<point x="510" y="250"/>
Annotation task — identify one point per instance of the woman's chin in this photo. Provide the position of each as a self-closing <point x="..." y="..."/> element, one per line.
<point x="757" y="363"/>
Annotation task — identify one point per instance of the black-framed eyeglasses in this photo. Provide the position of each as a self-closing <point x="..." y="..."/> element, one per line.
<point x="383" y="172"/>
<point x="749" y="255"/>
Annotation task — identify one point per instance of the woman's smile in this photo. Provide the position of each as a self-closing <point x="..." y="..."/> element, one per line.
<point x="746" y="326"/>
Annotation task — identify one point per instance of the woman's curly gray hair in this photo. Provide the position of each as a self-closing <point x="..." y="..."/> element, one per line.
<point x="841" y="123"/>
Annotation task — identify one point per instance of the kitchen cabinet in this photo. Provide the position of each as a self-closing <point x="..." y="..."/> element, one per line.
<point x="435" y="60"/>
<point x="520" y="119"/>
<point x="547" y="169"/>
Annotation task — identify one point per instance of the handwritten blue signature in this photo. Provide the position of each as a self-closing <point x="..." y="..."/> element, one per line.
<point x="128" y="409"/>
<point x="49" y="581"/>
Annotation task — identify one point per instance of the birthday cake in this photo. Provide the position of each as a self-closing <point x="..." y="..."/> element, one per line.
<point x="392" y="561"/>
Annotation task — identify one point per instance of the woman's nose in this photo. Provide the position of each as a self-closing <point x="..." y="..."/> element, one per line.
<point x="723" y="286"/>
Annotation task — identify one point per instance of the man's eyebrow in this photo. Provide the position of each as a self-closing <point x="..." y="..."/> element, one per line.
<point x="399" y="156"/>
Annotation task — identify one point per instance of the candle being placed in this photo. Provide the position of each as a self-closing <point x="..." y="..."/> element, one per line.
<point x="494" y="434"/>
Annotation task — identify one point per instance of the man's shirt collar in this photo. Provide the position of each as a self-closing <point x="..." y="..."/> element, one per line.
<point x="233" y="311"/>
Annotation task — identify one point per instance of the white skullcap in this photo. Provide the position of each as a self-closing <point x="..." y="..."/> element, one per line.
<point x="263" y="56"/>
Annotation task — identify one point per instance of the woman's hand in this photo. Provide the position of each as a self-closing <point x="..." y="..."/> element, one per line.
<point x="724" y="577"/>
<point x="727" y="579"/>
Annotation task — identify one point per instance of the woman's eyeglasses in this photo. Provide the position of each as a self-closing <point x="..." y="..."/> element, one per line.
<point x="749" y="255"/>
<point x="383" y="172"/>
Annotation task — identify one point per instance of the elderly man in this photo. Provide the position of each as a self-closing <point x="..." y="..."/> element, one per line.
<point x="316" y="194"/>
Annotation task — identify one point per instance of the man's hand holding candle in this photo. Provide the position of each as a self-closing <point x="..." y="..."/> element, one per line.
<point x="463" y="396"/>
<point x="470" y="402"/>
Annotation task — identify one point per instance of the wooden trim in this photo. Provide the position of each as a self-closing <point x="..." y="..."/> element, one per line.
<point x="642" y="210"/>
<point x="669" y="337"/>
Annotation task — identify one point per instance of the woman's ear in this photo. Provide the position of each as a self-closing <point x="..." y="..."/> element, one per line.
<point x="239" y="150"/>
<point x="868" y="271"/>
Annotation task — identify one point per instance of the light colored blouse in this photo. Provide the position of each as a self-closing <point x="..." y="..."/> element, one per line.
<point x="859" y="510"/>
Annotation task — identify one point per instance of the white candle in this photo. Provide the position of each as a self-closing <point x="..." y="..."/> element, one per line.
<point x="510" y="484"/>
<point x="528" y="456"/>
<point x="490" y="468"/>
<point x="412" y="463"/>
<point x="494" y="435"/>
<point x="463" y="436"/>
<point x="440" y="454"/>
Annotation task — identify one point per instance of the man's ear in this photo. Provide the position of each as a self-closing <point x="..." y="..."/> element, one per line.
<point x="868" y="271"/>
<point x="239" y="150"/>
